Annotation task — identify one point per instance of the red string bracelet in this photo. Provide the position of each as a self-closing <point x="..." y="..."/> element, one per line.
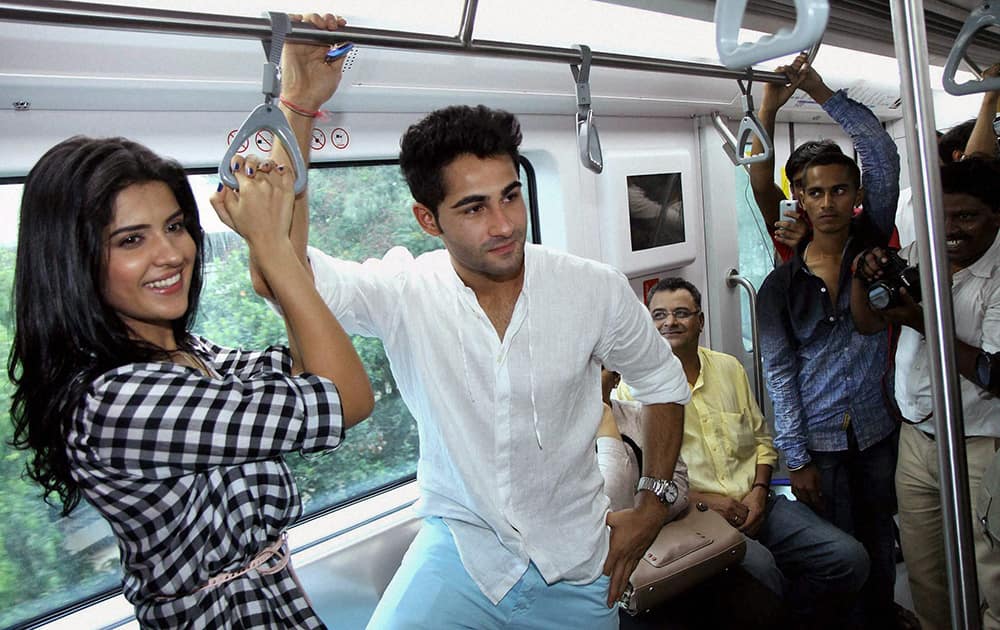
<point x="298" y="110"/>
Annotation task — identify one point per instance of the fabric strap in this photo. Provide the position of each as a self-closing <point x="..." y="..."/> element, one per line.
<point x="278" y="549"/>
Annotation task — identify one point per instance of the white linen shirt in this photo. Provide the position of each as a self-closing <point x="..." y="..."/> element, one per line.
<point x="507" y="427"/>
<point x="975" y="293"/>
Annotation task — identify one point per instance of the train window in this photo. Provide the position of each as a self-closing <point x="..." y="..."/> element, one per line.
<point x="756" y="248"/>
<point x="359" y="210"/>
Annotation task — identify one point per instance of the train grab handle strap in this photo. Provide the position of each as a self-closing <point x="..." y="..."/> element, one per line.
<point x="751" y="126"/>
<point x="987" y="14"/>
<point x="810" y="22"/>
<point x="586" y="130"/>
<point x="267" y="116"/>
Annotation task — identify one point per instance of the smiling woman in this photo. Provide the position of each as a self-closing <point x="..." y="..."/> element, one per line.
<point x="150" y="257"/>
<point x="165" y="433"/>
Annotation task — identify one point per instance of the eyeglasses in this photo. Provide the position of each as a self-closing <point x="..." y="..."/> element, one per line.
<point x="661" y="314"/>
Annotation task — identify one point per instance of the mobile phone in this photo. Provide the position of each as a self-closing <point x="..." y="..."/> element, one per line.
<point x="339" y="51"/>
<point x="788" y="207"/>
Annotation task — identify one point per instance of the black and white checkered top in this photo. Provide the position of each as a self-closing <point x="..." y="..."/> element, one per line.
<point x="188" y="471"/>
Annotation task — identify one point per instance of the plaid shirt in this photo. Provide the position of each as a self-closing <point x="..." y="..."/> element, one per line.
<point x="188" y="472"/>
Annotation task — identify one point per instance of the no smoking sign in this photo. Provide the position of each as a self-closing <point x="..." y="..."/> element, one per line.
<point x="318" y="139"/>
<point x="264" y="139"/>
<point x="243" y="147"/>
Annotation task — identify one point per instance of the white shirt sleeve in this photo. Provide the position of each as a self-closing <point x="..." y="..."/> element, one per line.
<point x="364" y="297"/>
<point x="632" y="347"/>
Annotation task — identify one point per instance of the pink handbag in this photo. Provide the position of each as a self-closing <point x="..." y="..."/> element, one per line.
<point x="688" y="550"/>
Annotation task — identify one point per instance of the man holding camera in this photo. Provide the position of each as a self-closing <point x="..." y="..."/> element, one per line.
<point x="831" y="423"/>
<point x="880" y="297"/>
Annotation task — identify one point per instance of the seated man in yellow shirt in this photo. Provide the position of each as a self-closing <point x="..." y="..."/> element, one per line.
<point x="810" y="563"/>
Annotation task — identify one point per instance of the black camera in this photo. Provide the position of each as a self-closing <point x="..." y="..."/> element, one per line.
<point x="896" y="275"/>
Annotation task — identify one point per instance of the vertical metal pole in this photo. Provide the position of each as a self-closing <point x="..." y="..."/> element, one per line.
<point x="733" y="279"/>
<point x="935" y="282"/>
<point x="468" y="22"/>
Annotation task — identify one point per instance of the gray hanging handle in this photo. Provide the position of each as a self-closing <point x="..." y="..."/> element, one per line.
<point x="587" y="137"/>
<point x="267" y="115"/>
<point x="728" y="139"/>
<point x="750" y="126"/>
<point x="810" y="22"/>
<point x="987" y="14"/>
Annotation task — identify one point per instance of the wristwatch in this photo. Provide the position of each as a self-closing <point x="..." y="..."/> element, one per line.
<point x="664" y="489"/>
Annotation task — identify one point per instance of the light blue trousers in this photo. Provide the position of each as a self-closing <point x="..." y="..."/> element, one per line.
<point x="431" y="589"/>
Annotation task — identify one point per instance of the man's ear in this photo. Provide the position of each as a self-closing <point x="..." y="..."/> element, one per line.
<point x="426" y="219"/>
<point x="859" y="197"/>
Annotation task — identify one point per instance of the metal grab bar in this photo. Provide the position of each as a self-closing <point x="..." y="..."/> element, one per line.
<point x="935" y="283"/>
<point x="810" y="22"/>
<point x="56" y="13"/>
<point x="987" y="14"/>
<point x="733" y="278"/>
<point x="812" y="52"/>
<point x="728" y="140"/>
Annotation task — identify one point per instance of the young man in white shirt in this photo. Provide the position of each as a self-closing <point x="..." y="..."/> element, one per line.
<point x="496" y="347"/>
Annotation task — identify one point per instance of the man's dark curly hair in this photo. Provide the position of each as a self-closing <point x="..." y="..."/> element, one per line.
<point x="806" y="152"/>
<point x="973" y="176"/>
<point x="433" y="143"/>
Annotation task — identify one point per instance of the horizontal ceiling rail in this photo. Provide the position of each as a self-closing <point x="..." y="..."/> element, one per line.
<point x="90" y="15"/>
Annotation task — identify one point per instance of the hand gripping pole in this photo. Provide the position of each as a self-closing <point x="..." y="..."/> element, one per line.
<point x="267" y="115"/>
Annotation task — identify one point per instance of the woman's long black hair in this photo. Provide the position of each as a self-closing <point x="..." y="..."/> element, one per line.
<point x="65" y="335"/>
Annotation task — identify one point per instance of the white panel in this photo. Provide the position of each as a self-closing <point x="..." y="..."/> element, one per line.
<point x="616" y="192"/>
<point x="439" y="17"/>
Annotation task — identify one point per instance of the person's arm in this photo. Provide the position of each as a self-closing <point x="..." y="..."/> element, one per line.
<point x="756" y="500"/>
<point x="261" y="213"/>
<point x="911" y="314"/>
<point x="876" y="150"/>
<point x="617" y="467"/>
<point x="765" y="192"/>
<point x="178" y="421"/>
<point x="631" y="346"/>
<point x="307" y="82"/>
<point x="633" y="530"/>
<point x="983" y="141"/>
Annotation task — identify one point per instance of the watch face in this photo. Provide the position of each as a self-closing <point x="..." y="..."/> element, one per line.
<point x="670" y="492"/>
<point x="666" y="491"/>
